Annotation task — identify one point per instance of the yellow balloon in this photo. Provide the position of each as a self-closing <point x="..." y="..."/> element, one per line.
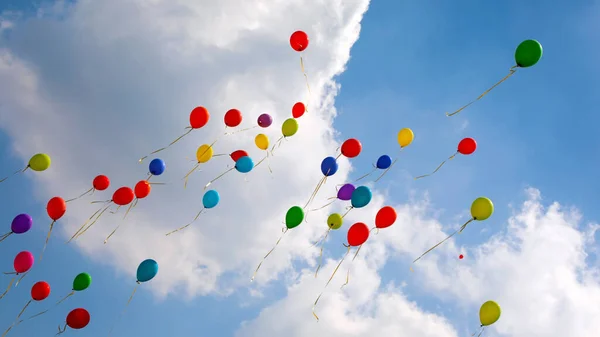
<point x="289" y="127"/>
<point x="482" y="208"/>
<point x="334" y="221"/>
<point x="405" y="137"/>
<point x="204" y="153"/>
<point x="261" y="141"/>
<point x="489" y="313"/>
<point x="40" y="162"/>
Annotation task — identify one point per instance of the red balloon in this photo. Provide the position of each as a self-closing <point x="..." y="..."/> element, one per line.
<point x="40" y="291"/>
<point x="351" y="148"/>
<point x="467" y="146"/>
<point x="56" y="208"/>
<point x="235" y="155"/>
<point x="299" y="40"/>
<point x="78" y="318"/>
<point x="123" y="196"/>
<point x="358" y="234"/>
<point x="142" y="189"/>
<point x="298" y="110"/>
<point x="101" y="183"/>
<point x="233" y="118"/>
<point x="385" y="217"/>
<point x="199" y="117"/>
<point x="460" y="256"/>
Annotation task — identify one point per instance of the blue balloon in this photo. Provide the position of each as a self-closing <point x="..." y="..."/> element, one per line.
<point x="157" y="167"/>
<point x="147" y="270"/>
<point x="384" y="162"/>
<point x="361" y="197"/>
<point x="244" y="164"/>
<point x="329" y="166"/>
<point x="211" y="199"/>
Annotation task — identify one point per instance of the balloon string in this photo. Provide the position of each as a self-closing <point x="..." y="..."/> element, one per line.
<point x="329" y="281"/>
<point x="316" y="190"/>
<point x="91" y="190"/>
<point x="47" y="239"/>
<point x="93" y="222"/>
<point x="277" y="144"/>
<point x="187" y="176"/>
<point x="166" y="147"/>
<point x="218" y="177"/>
<point x="322" y="242"/>
<point x="242" y="130"/>
<point x="327" y="204"/>
<point x="451" y="235"/>
<point x="512" y="70"/>
<point x="125" y="309"/>
<point x="348" y="211"/>
<point x="269" y="253"/>
<point x="61" y="331"/>
<point x="15" y="173"/>
<point x="439" y="167"/>
<point x="20" y="278"/>
<point x="481" y="329"/>
<point x="389" y="168"/>
<point x="186" y="226"/>
<point x="268" y="162"/>
<point x="131" y="206"/>
<point x="16" y="322"/>
<point x="57" y="303"/>
<point x="366" y="175"/>
<point x="4" y="236"/>
<point x="350" y="268"/>
<point x="10" y="284"/>
<point x="84" y="224"/>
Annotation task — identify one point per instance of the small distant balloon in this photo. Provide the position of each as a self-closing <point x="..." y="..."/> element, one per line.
<point x="101" y="182"/>
<point x="22" y="223"/>
<point x="351" y="148"/>
<point x="460" y="256"/>
<point x="236" y="155"/>
<point x="299" y="41"/>
<point x="210" y="199"/>
<point x="147" y="270"/>
<point x="157" y="167"/>
<point x="345" y="192"/>
<point x="298" y="110"/>
<point x="265" y="120"/>
<point x="233" y="118"/>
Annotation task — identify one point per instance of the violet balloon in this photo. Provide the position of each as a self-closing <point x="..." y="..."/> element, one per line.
<point x="345" y="192"/>
<point x="265" y="120"/>
<point x="21" y="224"/>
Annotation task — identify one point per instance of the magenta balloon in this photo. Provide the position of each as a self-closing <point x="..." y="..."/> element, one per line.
<point x="265" y="120"/>
<point x="345" y="193"/>
<point x="23" y="262"/>
<point x="21" y="224"/>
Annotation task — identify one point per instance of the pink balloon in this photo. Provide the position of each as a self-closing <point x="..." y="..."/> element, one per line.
<point x="23" y="262"/>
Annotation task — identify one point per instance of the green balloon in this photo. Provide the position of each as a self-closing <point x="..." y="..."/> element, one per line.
<point x="528" y="53"/>
<point x="294" y="217"/>
<point x="82" y="282"/>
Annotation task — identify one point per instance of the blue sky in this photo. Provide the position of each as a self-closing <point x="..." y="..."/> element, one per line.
<point x="412" y="63"/>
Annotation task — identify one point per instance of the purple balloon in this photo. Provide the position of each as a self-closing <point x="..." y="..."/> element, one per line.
<point x="265" y="120"/>
<point x="21" y="224"/>
<point x="345" y="193"/>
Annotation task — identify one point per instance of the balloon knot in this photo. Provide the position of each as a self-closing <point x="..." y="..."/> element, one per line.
<point x="138" y="282"/>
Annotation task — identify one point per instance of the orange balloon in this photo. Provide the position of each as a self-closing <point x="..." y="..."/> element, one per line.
<point x="142" y="189"/>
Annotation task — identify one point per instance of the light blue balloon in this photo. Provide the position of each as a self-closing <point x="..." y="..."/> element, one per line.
<point x="211" y="199"/>
<point x="361" y="197"/>
<point x="147" y="270"/>
<point x="244" y="164"/>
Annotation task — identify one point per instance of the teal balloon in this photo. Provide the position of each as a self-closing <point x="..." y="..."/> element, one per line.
<point x="244" y="164"/>
<point x="210" y="199"/>
<point x="361" y="197"/>
<point x="147" y="270"/>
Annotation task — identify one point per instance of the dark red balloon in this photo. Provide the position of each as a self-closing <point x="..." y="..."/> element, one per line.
<point x="233" y="118"/>
<point x="460" y="256"/>
<point x="78" y="318"/>
<point x="298" y="110"/>
<point x="358" y="234"/>
<point x="142" y="189"/>
<point x="299" y="41"/>
<point x="351" y="148"/>
<point x="385" y="217"/>
<point x="235" y="155"/>
<point x="467" y="146"/>
<point x="199" y="117"/>
<point x="56" y="208"/>
<point x="123" y="196"/>
<point x="40" y="291"/>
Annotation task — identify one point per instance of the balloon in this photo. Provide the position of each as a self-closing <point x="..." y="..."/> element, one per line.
<point x="358" y="234"/>
<point x="244" y="164"/>
<point x="142" y="189"/>
<point x="384" y="162"/>
<point x="236" y="155"/>
<point x="467" y="146"/>
<point x="289" y="127"/>
<point x="147" y="270"/>
<point x="157" y="167"/>
<point x="21" y="224"/>
<point x="78" y="318"/>
<point x="40" y="291"/>
<point x="199" y="117"/>
<point x="405" y="137"/>
<point x="123" y="196"/>
<point x="82" y="282"/>
<point x="23" y="262"/>
<point x="351" y="148"/>
<point x="345" y="192"/>
<point x="385" y="217"/>
<point x="265" y="120"/>
<point x="204" y="153"/>
<point x="489" y="313"/>
<point x="39" y="162"/>
<point x="294" y="217"/>
<point x="335" y="221"/>
<point x="528" y="53"/>
<point x="233" y="118"/>
<point x="210" y="199"/>
<point x="299" y="41"/>
<point x="460" y="256"/>
<point x="262" y="141"/>
<point x="298" y="110"/>
<point x="361" y="197"/>
<point x="329" y="166"/>
<point x="56" y="208"/>
<point x="482" y="208"/>
<point x="101" y="182"/>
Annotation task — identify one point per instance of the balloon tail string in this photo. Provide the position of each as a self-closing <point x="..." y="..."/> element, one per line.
<point x="267" y="255"/>
<point x="327" y="204"/>
<point x="387" y="170"/>
<point x="481" y="329"/>
<point x="315" y="191"/>
<point x="512" y="70"/>
<point x="61" y="330"/>
<point x="364" y="176"/>
<point x="21" y="279"/>
<point x="93" y="222"/>
<point x="4" y="236"/>
<point x="451" y="235"/>
<point x="305" y="75"/>
<point x="91" y="190"/>
<point x="238" y="131"/>
<point x="277" y="144"/>
<point x="14" y="173"/>
<point x="124" y="309"/>
<point x="38" y="314"/>
<point x="131" y="206"/>
<point x="16" y="322"/>
<point x="166" y="147"/>
<point x="64" y="298"/>
<point x="329" y="281"/>
<point x="218" y="177"/>
<point x="438" y="168"/>
<point x="350" y="268"/>
<point x="348" y="211"/>
<point x="322" y="242"/>
<point x="186" y="226"/>
<point x="187" y="176"/>
<point x="47" y="239"/>
<point x="10" y="284"/>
